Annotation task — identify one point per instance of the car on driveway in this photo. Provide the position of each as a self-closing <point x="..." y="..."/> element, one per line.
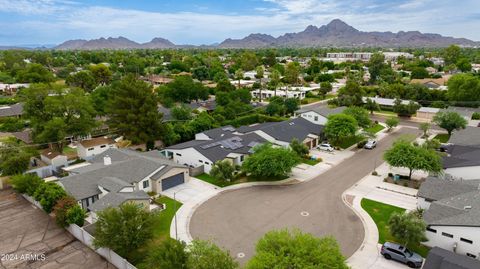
<point x="325" y="147"/>
<point x="393" y="251"/>
<point x="371" y="144"/>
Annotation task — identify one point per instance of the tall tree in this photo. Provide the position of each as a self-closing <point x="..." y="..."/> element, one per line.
<point x="450" y="121"/>
<point x="101" y="73"/>
<point x="83" y="79"/>
<point x="285" y="249"/>
<point x="267" y="161"/>
<point x="274" y="80"/>
<point x="292" y="71"/>
<point x="260" y="72"/>
<point x="360" y="115"/>
<point x="404" y="154"/>
<point x="339" y="127"/>
<point x="371" y="105"/>
<point x="133" y="110"/>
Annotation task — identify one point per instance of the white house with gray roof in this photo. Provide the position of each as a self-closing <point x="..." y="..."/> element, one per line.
<point x="452" y="214"/>
<point x="318" y="114"/>
<point x="118" y="175"/>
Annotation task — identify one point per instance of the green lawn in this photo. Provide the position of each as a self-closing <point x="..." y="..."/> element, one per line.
<point x="375" y="128"/>
<point x="208" y="178"/>
<point x="386" y="112"/>
<point x="443" y="138"/>
<point x="164" y="218"/>
<point x="380" y="213"/>
<point x="348" y="142"/>
<point x="220" y="183"/>
<point x="310" y="161"/>
<point x="68" y="150"/>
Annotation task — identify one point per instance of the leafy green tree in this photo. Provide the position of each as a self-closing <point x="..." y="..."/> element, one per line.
<point x="101" y="73"/>
<point x="360" y="115"/>
<point x="376" y="65"/>
<point x="99" y="99"/>
<point x="405" y="110"/>
<point x="285" y="249"/>
<point x="371" y="105"/>
<point x="133" y="111"/>
<point x="419" y="73"/>
<point x="464" y="65"/>
<point x="47" y="194"/>
<point x="224" y="85"/>
<point x="325" y="87"/>
<point x="13" y="158"/>
<point x="424" y="127"/>
<point x="83" y="79"/>
<point x="351" y="94"/>
<point x="248" y="60"/>
<point x="292" y="71"/>
<point x="26" y="183"/>
<point x="299" y="148"/>
<point x="124" y="229"/>
<point x="54" y="133"/>
<point x="182" y="112"/>
<point x="60" y="209"/>
<point x="452" y="54"/>
<point x="291" y="105"/>
<point x="404" y="154"/>
<point x="260" y="72"/>
<point x="168" y="134"/>
<point x="450" y="121"/>
<point x="223" y="170"/>
<point x="464" y="89"/>
<point x="239" y="76"/>
<point x="407" y="227"/>
<point x="339" y="127"/>
<point x="170" y="254"/>
<point x="268" y="161"/>
<point x="184" y="89"/>
<point x="391" y="123"/>
<point x="206" y="255"/>
<point x="274" y="80"/>
<point x="35" y="73"/>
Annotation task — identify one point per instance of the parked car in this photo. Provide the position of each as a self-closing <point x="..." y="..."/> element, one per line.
<point x="402" y="254"/>
<point x="325" y="147"/>
<point x="371" y="143"/>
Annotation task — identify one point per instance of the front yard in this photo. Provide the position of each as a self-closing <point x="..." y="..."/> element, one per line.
<point x="350" y="141"/>
<point x="375" y="128"/>
<point x="221" y="183"/>
<point x="443" y="138"/>
<point x="380" y="213"/>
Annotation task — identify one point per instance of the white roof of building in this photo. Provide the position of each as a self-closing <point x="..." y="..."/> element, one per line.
<point x="429" y="109"/>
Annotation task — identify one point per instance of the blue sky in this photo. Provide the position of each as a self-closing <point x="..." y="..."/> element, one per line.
<point x="210" y="21"/>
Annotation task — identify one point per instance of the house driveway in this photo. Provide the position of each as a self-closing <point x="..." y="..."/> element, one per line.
<point x="236" y="219"/>
<point x="26" y="231"/>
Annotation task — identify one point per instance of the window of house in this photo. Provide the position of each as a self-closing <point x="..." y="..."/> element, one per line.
<point x="200" y="161"/>
<point x="466" y="240"/>
<point x="242" y="158"/>
<point x="146" y="184"/>
<point x="178" y="154"/>
<point x="447" y="234"/>
<point x="471" y="255"/>
<point x="315" y="118"/>
<point x="431" y="230"/>
<point x="103" y="146"/>
<point x="90" y="149"/>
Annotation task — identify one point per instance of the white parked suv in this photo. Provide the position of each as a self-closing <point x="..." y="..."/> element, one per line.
<point x="325" y="147"/>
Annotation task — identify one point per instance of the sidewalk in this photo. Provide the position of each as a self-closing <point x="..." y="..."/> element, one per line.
<point x="373" y="188"/>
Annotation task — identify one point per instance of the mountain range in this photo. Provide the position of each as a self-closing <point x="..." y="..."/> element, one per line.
<point x="335" y="34"/>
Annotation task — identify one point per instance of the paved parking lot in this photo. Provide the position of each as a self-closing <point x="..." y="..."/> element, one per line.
<point x="29" y="238"/>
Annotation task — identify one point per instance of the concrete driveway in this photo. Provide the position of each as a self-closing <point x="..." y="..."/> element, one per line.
<point x="236" y="219"/>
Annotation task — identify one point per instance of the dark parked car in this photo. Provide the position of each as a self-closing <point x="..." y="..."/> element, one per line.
<point x="402" y="254"/>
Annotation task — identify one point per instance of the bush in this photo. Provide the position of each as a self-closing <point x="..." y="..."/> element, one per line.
<point x="61" y="208"/>
<point x="361" y="144"/>
<point x="76" y="215"/>
<point x="27" y="183"/>
<point x="476" y="116"/>
<point x="47" y="194"/>
<point x="374" y="173"/>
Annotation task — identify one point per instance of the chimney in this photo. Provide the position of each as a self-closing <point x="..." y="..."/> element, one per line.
<point x="107" y="160"/>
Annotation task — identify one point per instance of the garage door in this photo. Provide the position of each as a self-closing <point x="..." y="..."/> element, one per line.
<point x="173" y="181"/>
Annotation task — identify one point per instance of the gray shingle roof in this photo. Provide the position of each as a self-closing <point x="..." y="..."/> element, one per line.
<point x="286" y="131"/>
<point x="439" y="258"/>
<point x="114" y="199"/>
<point x="469" y="136"/>
<point x="127" y="166"/>
<point x="322" y="110"/>
<point x="219" y="132"/>
<point x="436" y="189"/>
<point x="459" y="210"/>
<point x="462" y="156"/>
<point x="11" y="110"/>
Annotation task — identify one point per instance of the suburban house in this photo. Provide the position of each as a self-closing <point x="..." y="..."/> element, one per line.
<point x="15" y="110"/>
<point x="209" y="149"/>
<point x="234" y="144"/>
<point x="387" y="103"/>
<point x="441" y="258"/>
<point x="432" y="83"/>
<point x="86" y="149"/>
<point x="462" y="162"/>
<point x="11" y="89"/>
<point x="452" y="214"/>
<point x="53" y="158"/>
<point x="427" y="113"/>
<point x="119" y="175"/>
<point x="318" y="114"/>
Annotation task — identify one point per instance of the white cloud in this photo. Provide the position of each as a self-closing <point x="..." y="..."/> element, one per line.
<point x="40" y="7"/>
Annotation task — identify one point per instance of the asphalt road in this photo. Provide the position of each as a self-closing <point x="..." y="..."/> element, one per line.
<point x="236" y="219"/>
